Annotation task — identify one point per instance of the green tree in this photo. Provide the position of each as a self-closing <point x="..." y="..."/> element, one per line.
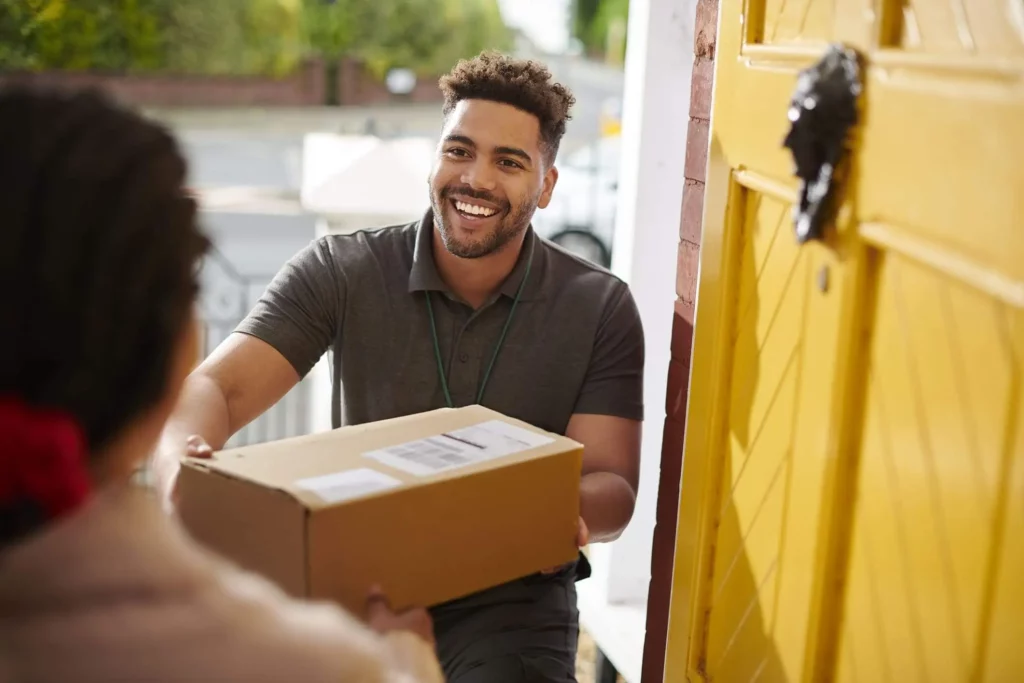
<point x="414" y="35"/>
<point x="478" y="25"/>
<point x="244" y="36"/>
<point x="585" y="11"/>
<point x="18" y="24"/>
<point x="333" y="29"/>
<point x="79" y="35"/>
<point x="186" y="36"/>
<point x="427" y="36"/>
<point x="231" y="36"/>
<point x="596" y="21"/>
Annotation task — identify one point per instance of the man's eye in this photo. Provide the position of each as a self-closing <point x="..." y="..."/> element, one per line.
<point x="456" y="152"/>
<point x="509" y="163"/>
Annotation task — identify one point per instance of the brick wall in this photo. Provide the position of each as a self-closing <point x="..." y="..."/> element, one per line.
<point x="357" y="86"/>
<point x="682" y="340"/>
<point x="306" y="87"/>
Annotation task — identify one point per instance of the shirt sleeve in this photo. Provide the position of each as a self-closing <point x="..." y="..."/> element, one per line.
<point x="300" y="312"/>
<point x="614" y="383"/>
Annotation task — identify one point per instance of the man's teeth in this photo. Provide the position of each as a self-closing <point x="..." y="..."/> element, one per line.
<point x="474" y="209"/>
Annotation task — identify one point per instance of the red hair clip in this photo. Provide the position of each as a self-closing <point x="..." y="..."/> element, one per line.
<point x="42" y="460"/>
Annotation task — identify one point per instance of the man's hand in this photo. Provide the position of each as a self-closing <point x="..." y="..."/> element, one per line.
<point x="582" y="534"/>
<point x="196" y="447"/>
<point x="582" y="538"/>
<point x="382" y="619"/>
<point x="220" y="397"/>
<point x="611" y="472"/>
<point x="166" y="470"/>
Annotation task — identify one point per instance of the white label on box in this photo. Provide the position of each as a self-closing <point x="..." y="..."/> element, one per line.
<point x="339" y="486"/>
<point x="459" y="448"/>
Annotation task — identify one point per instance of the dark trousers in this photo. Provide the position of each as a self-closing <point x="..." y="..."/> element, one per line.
<point x="522" y="632"/>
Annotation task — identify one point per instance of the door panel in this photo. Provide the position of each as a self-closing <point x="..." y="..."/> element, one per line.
<point x="850" y="503"/>
<point x="755" y="466"/>
<point x="937" y="175"/>
<point x="793" y="21"/>
<point x="942" y="379"/>
<point x="1004" y="656"/>
<point x="759" y="440"/>
<point x="961" y="27"/>
<point x="940" y="215"/>
<point x="767" y="494"/>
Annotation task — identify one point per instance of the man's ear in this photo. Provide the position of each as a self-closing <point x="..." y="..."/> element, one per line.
<point x="550" y="180"/>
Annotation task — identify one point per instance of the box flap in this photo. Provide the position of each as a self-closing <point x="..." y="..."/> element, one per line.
<point x="250" y="525"/>
<point x="328" y="468"/>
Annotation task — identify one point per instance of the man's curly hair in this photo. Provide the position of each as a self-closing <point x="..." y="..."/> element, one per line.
<point x="523" y="84"/>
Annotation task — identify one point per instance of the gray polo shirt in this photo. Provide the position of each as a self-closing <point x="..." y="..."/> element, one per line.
<point x="575" y="343"/>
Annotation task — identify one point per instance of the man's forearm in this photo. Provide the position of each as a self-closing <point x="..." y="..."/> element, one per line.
<point x="606" y="505"/>
<point x="202" y="409"/>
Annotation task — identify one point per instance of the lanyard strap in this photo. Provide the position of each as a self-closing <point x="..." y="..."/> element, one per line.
<point x="497" y="347"/>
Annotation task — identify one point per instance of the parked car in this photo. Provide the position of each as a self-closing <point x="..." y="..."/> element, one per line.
<point x="581" y="215"/>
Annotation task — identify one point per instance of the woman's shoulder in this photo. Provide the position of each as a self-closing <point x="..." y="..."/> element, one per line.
<point x="265" y="626"/>
<point x="206" y="619"/>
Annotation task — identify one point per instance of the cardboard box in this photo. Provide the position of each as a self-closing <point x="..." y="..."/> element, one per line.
<point x="432" y="507"/>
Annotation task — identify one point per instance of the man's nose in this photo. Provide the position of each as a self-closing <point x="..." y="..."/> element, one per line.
<point x="480" y="176"/>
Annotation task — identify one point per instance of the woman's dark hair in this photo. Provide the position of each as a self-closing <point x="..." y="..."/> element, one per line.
<point x="99" y="246"/>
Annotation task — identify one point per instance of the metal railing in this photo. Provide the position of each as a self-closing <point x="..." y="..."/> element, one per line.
<point x="228" y="296"/>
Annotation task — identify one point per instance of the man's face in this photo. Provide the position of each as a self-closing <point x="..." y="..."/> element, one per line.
<point x="489" y="177"/>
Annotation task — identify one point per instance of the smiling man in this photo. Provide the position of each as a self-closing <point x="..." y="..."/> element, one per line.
<point x="467" y="305"/>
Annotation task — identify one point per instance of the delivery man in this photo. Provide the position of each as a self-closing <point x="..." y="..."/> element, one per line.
<point x="466" y="306"/>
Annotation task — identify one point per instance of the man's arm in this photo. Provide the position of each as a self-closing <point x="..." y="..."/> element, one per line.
<point x="611" y="472"/>
<point x="220" y="397"/>
<point x="607" y="420"/>
<point x="294" y="322"/>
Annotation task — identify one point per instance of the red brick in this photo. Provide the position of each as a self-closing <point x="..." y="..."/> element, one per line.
<point x="692" y="214"/>
<point x="706" y="28"/>
<point x="682" y="330"/>
<point x="672" y="442"/>
<point x="686" y="271"/>
<point x="680" y="362"/>
<point x="668" y="482"/>
<point x="678" y="389"/>
<point x="662" y="553"/>
<point x="304" y="87"/>
<point x="695" y="167"/>
<point x="679" y="365"/>
<point x="701" y="84"/>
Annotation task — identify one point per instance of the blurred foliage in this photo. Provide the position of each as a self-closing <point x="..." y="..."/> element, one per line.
<point x="232" y="36"/>
<point x="184" y="36"/>
<point x="473" y="26"/>
<point x="427" y="36"/>
<point x="244" y="36"/>
<point x="17" y="26"/>
<point x="77" y="35"/>
<point x="597" y="22"/>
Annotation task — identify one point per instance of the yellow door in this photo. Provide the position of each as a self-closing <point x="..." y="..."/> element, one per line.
<point x="852" y="503"/>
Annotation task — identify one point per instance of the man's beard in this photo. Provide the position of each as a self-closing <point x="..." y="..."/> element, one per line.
<point x="512" y="223"/>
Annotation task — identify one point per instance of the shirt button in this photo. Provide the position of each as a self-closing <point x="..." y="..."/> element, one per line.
<point x="464" y="357"/>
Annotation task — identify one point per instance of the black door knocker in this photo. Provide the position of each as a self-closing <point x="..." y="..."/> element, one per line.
<point x="822" y="111"/>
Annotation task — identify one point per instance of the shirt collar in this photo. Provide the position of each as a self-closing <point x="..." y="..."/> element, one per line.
<point x="423" y="276"/>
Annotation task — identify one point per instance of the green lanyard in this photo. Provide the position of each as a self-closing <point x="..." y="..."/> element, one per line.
<point x="497" y="347"/>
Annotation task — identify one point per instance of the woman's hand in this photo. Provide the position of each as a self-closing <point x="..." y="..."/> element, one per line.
<point x="383" y="619"/>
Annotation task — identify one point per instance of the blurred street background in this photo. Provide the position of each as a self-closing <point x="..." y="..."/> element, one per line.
<point x="291" y="110"/>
